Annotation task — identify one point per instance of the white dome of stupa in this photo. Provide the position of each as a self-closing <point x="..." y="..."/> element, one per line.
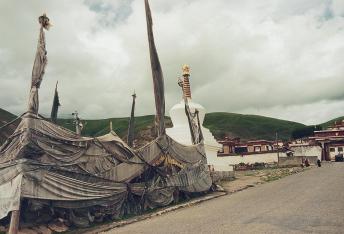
<point x="181" y="130"/>
<point x="178" y="115"/>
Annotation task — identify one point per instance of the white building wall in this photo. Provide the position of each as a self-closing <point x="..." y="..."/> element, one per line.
<point x="306" y="151"/>
<point x="335" y="150"/>
<point x="217" y="163"/>
<point x="252" y="158"/>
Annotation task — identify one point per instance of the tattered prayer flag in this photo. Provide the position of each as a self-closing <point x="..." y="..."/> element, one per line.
<point x="55" y="107"/>
<point x="158" y="78"/>
<point x="131" y="127"/>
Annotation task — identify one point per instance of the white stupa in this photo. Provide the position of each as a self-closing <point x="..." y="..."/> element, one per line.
<point x="180" y="131"/>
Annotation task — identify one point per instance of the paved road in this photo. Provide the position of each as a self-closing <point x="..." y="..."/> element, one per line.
<point x="309" y="202"/>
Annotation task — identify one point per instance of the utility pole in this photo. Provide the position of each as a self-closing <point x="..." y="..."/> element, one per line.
<point x="131" y="127"/>
<point x="277" y="149"/>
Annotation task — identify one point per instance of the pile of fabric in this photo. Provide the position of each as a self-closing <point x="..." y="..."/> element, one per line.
<point x="48" y="172"/>
<point x="51" y="167"/>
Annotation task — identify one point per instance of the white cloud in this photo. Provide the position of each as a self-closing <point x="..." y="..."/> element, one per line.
<point x="266" y="57"/>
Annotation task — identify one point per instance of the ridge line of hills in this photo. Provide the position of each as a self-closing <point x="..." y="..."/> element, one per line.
<point x="221" y="124"/>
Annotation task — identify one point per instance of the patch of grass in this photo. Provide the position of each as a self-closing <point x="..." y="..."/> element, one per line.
<point x="249" y="173"/>
<point x="272" y="178"/>
<point x="278" y="173"/>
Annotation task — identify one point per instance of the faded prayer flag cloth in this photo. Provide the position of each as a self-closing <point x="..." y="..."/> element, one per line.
<point x="158" y="78"/>
<point x="55" y="107"/>
<point x="37" y="72"/>
<point x="10" y="195"/>
<point x="194" y="124"/>
<point x="131" y="127"/>
<point x="33" y="105"/>
<point x="40" y="61"/>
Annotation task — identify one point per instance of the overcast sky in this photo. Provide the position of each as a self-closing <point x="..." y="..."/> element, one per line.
<point x="279" y="58"/>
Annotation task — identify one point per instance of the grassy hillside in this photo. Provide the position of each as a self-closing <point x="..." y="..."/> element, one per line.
<point x="220" y="124"/>
<point x="331" y="122"/>
<point x="144" y="127"/>
<point x="6" y="117"/>
<point x="249" y="126"/>
<point x="119" y="125"/>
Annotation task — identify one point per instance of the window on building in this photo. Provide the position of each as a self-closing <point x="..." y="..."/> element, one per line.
<point x="340" y="149"/>
<point x="257" y="149"/>
<point x="332" y="149"/>
<point x="240" y="150"/>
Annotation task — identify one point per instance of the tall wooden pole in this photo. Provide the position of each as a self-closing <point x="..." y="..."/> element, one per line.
<point x="277" y="149"/>
<point x="131" y="127"/>
<point x="14" y="225"/>
<point x="158" y="78"/>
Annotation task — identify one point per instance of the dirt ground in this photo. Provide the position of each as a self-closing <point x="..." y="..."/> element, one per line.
<point x="307" y="202"/>
<point x="251" y="178"/>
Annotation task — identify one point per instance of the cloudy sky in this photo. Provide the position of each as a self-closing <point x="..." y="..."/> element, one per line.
<point x="278" y="58"/>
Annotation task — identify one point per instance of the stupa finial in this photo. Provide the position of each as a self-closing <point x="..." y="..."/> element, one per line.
<point x="186" y="82"/>
<point x="44" y="21"/>
<point x="186" y="70"/>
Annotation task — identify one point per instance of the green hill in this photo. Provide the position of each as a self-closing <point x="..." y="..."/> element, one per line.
<point x="6" y="117"/>
<point x="143" y="126"/>
<point x="331" y="122"/>
<point x="220" y="124"/>
<point x="249" y="127"/>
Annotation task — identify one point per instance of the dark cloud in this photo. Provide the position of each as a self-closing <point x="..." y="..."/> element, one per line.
<point x="279" y="58"/>
<point x="110" y="13"/>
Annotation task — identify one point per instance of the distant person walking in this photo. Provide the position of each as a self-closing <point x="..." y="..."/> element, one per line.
<point x="307" y="162"/>
<point x="319" y="163"/>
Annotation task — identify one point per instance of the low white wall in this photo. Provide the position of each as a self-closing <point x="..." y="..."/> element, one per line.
<point x="306" y="151"/>
<point x="249" y="159"/>
<point x="217" y="163"/>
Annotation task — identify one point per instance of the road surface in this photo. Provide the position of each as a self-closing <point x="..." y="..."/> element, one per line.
<point x="308" y="202"/>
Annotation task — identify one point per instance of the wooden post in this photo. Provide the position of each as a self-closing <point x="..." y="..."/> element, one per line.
<point x="14" y="225"/>
<point x="323" y="157"/>
<point x="278" y="159"/>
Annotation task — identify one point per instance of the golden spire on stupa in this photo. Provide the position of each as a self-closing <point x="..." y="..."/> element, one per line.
<point x="186" y="69"/>
<point x="186" y="82"/>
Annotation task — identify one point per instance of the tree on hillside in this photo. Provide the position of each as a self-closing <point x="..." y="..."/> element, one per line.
<point x="306" y="131"/>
